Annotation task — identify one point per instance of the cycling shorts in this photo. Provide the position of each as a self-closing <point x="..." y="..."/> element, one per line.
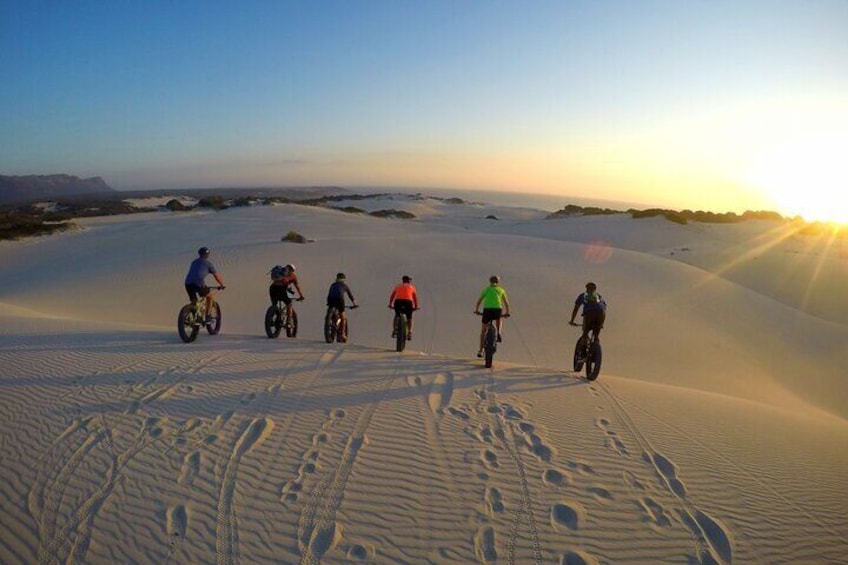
<point x="194" y="291"/>
<point x="490" y="314"/>
<point x="594" y="320"/>
<point x="404" y="307"/>
<point x="279" y="293"/>
<point x="337" y="303"/>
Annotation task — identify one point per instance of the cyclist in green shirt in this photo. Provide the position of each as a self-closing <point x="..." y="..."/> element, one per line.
<point x="495" y="307"/>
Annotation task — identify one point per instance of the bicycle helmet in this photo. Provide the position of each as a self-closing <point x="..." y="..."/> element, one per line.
<point x="290" y="267"/>
<point x="340" y="277"/>
<point x="203" y="251"/>
<point x="494" y="279"/>
<point x="591" y="286"/>
<point x="406" y="278"/>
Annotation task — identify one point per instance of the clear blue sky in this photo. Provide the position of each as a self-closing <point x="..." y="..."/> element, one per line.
<point x="678" y="103"/>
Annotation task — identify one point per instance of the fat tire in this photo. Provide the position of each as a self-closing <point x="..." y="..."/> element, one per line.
<point x="291" y="331"/>
<point x="186" y="326"/>
<point x="578" y="355"/>
<point x="329" y="326"/>
<point x="490" y="345"/>
<point x="273" y="323"/>
<point x="215" y="327"/>
<point x="593" y="363"/>
<point x="401" y="329"/>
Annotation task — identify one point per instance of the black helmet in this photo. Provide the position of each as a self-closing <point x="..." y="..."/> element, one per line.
<point x="590" y="285"/>
<point x="340" y="276"/>
<point x="203" y="251"/>
<point x="406" y="278"/>
<point x="494" y="279"/>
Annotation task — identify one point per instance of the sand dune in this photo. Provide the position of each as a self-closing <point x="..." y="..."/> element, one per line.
<point x="716" y="433"/>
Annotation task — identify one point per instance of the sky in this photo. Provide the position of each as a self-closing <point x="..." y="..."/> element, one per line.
<point x="709" y="105"/>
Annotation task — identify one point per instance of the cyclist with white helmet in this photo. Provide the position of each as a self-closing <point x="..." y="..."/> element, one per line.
<point x="283" y="278"/>
<point x="195" y="281"/>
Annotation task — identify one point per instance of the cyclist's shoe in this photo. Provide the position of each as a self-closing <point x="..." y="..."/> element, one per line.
<point x="499" y="338"/>
<point x="480" y="354"/>
<point x="409" y="336"/>
<point x="394" y="334"/>
<point x="210" y="320"/>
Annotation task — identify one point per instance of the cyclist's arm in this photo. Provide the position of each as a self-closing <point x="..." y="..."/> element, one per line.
<point x="506" y="305"/>
<point x="350" y="295"/>
<point x="297" y="288"/>
<point x="392" y="297"/>
<point x="415" y="299"/>
<point x="477" y="306"/>
<point x="574" y="312"/>
<point x="218" y="278"/>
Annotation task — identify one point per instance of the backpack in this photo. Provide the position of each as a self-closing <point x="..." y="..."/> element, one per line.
<point x="278" y="272"/>
<point x="592" y="298"/>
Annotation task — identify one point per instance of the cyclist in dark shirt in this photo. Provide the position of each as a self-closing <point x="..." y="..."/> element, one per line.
<point x="594" y="311"/>
<point x="336" y="298"/>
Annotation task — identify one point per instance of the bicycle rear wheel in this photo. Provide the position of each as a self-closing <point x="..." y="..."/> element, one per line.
<point x="214" y="325"/>
<point x="593" y="361"/>
<point x="579" y="355"/>
<point x="273" y="322"/>
<point x="401" y="329"/>
<point x="491" y="344"/>
<point x="186" y="325"/>
<point x="330" y="325"/>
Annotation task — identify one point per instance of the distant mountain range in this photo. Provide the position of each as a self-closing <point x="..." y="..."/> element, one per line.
<point x="30" y="188"/>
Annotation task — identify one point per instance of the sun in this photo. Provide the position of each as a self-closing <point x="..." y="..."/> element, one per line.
<point x="805" y="177"/>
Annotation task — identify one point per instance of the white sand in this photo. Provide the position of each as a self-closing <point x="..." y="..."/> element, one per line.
<point x="717" y="432"/>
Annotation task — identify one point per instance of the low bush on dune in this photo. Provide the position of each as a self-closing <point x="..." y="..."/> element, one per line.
<point x="294" y="237"/>
<point x="19" y="228"/>
<point x="392" y="213"/>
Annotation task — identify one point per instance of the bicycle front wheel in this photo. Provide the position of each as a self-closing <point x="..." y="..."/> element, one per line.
<point x="291" y="329"/>
<point x="273" y="322"/>
<point x="186" y="326"/>
<point x="214" y="324"/>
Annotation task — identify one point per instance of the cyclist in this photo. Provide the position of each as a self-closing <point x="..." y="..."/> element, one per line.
<point x="195" y="281"/>
<point x="281" y="280"/>
<point x="495" y="307"/>
<point x="336" y="297"/>
<point x="594" y="311"/>
<point x="404" y="300"/>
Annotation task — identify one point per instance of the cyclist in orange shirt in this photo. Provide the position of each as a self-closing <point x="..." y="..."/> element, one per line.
<point x="404" y="300"/>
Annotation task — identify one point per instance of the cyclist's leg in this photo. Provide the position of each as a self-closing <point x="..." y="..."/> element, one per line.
<point x="284" y="296"/>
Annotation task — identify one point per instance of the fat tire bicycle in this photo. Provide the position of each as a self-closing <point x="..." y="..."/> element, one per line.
<point x="334" y="330"/>
<point x="588" y="354"/>
<point x="193" y="316"/>
<point x="490" y="341"/>
<point x="277" y="318"/>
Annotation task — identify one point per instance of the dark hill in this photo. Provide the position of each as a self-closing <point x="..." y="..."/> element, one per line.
<point x="32" y="188"/>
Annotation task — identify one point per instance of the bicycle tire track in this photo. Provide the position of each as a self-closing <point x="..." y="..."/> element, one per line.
<point x="500" y="419"/>
<point x="712" y="539"/>
<point x="226" y="525"/>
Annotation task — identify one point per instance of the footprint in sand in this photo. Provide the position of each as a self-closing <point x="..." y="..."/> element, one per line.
<point x="601" y="494"/>
<point x="490" y="459"/>
<point x="359" y="552"/>
<point x="581" y="468"/>
<point x="494" y="500"/>
<point x="485" y="544"/>
<point x="555" y="478"/>
<point x="459" y="413"/>
<point x="566" y="514"/>
<point x="669" y="472"/>
<point x="577" y="558"/>
<point x="190" y="468"/>
<point x="176" y="521"/>
<point x="654" y="512"/>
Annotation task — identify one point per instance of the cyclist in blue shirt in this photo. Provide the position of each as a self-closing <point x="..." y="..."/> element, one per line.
<point x="594" y="311"/>
<point x="195" y="281"/>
